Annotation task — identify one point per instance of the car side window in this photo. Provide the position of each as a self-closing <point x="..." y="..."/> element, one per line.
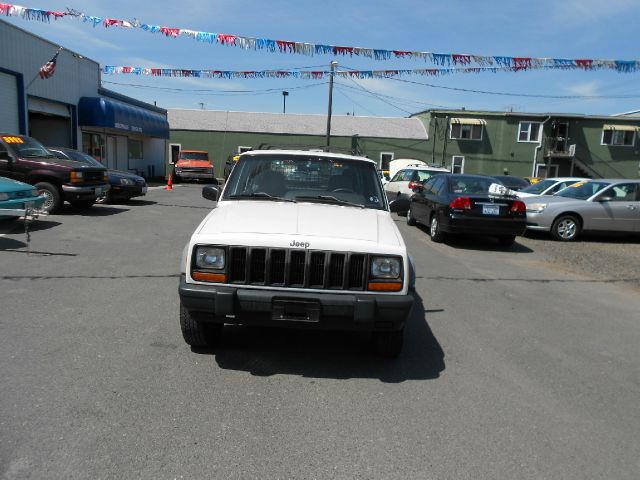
<point x="408" y="174"/>
<point x="398" y="176"/>
<point x="428" y="186"/>
<point x="439" y="185"/>
<point x="625" y="192"/>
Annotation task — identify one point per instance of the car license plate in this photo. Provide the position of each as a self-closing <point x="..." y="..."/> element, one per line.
<point x="296" y="310"/>
<point x="144" y="189"/>
<point x="490" y="210"/>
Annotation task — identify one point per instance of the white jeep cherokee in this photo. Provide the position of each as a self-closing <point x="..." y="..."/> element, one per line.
<point x="297" y="238"/>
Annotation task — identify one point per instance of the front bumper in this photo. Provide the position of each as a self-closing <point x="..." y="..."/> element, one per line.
<point x="196" y="175"/>
<point x="539" y="221"/>
<point x="21" y="204"/>
<point x="78" y="192"/>
<point x="127" y="191"/>
<point x="229" y="304"/>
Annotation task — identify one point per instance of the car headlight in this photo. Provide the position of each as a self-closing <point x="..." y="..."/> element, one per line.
<point x="178" y="170"/>
<point x="35" y="192"/>
<point x="210" y="258"/>
<point x="385" y="267"/>
<point x="4" y="196"/>
<point x="536" y="207"/>
<point x="127" y="181"/>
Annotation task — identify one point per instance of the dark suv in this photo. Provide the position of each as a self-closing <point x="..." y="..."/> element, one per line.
<point x="25" y="159"/>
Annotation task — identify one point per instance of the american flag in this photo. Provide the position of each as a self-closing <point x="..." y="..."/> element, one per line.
<point x="48" y="69"/>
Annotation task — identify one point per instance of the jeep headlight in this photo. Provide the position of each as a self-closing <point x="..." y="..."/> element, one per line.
<point x="385" y="267"/>
<point x="536" y="207"/>
<point x="210" y="258"/>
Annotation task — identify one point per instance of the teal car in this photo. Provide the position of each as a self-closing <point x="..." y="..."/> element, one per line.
<point x="16" y="197"/>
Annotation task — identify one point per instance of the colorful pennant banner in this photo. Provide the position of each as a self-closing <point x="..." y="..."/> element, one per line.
<point x="308" y="74"/>
<point x="310" y="49"/>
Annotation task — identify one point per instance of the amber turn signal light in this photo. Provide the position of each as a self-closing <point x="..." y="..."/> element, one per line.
<point x="209" y="277"/>
<point x="385" y="286"/>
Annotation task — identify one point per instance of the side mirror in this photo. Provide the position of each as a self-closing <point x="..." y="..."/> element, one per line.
<point x="605" y="199"/>
<point x="211" y="192"/>
<point x="4" y="155"/>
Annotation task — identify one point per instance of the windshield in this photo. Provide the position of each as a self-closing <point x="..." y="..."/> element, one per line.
<point x="470" y="185"/>
<point x="83" y="157"/>
<point x="539" y="187"/>
<point x="582" y="190"/>
<point x="194" y="156"/>
<point x="311" y="178"/>
<point x="427" y="174"/>
<point x="27" y="147"/>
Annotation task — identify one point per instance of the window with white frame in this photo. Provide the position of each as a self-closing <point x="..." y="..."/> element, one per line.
<point x="465" y="132"/>
<point x="529" y="132"/>
<point x="623" y="138"/>
<point x="457" y="164"/>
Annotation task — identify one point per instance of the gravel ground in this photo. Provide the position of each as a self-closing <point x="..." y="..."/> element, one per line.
<point x="602" y="257"/>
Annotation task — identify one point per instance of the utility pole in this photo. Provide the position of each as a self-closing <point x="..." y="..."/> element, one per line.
<point x="333" y="70"/>
<point x="285" y="94"/>
<point x="201" y="105"/>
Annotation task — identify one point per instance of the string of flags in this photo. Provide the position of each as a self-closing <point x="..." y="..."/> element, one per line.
<point x="311" y="49"/>
<point x="301" y="74"/>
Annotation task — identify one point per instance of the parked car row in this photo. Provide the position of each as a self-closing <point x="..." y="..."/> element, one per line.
<point x="565" y="207"/>
<point x="62" y="174"/>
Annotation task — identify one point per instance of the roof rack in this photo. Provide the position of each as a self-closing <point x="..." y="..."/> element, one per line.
<point x="313" y="148"/>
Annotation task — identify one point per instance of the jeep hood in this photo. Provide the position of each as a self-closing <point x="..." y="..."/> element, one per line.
<point x="286" y="222"/>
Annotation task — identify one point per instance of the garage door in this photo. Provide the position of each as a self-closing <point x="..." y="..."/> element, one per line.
<point x="9" y="120"/>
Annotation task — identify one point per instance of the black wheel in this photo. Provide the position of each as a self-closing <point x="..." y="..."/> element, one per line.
<point x="83" y="204"/>
<point x="410" y="220"/>
<point x="566" y="228"/>
<point x="197" y="333"/>
<point x="507" y="240"/>
<point x="52" y="197"/>
<point x="437" y="235"/>
<point x="388" y="344"/>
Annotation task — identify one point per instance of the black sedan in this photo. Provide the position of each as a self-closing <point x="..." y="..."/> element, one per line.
<point x="124" y="185"/>
<point x="454" y="203"/>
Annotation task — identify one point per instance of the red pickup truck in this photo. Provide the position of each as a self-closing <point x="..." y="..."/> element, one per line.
<point x="193" y="165"/>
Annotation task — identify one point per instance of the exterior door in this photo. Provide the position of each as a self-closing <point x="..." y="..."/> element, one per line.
<point x="112" y="153"/>
<point x="621" y="213"/>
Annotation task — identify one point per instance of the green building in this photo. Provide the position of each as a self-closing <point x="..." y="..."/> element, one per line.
<point x="223" y="134"/>
<point x="529" y="144"/>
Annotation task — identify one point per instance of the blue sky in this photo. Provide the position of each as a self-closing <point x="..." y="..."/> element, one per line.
<point x="544" y="28"/>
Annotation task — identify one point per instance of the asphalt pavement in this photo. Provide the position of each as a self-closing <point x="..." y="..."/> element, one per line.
<point x="513" y="367"/>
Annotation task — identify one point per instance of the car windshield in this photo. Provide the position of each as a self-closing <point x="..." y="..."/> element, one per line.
<point x="582" y="190"/>
<point x="539" y="187"/>
<point x="306" y="178"/>
<point x="470" y="185"/>
<point x="82" y="157"/>
<point x="27" y="147"/>
<point x="194" y="156"/>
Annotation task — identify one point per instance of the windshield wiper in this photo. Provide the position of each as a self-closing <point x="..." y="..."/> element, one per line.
<point x="331" y="199"/>
<point x="261" y="195"/>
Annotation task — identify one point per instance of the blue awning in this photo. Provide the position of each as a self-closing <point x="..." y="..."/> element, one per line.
<point x="109" y="113"/>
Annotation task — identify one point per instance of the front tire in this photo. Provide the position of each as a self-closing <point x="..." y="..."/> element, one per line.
<point x="437" y="235"/>
<point x="411" y="221"/>
<point x="566" y="228"/>
<point x="388" y="344"/>
<point x="52" y="197"/>
<point x="197" y="333"/>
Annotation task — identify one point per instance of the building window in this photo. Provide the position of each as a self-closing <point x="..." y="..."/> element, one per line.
<point x="529" y="132"/>
<point x="465" y="132"/>
<point x="93" y="144"/>
<point x="135" y="150"/>
<point x="623" y="138"/>
<point x="457" y="164"/>
<point x="385" y="159"/>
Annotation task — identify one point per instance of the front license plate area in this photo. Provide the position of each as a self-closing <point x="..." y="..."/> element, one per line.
<point x="294" y="310"/>
<point x="490" y="210"/>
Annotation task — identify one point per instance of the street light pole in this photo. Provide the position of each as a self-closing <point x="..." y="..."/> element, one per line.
<point x="333" y="70"/>
<point x="284" y="101"/>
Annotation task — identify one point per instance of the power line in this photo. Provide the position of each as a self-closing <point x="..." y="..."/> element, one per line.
<point x="401" y="100"/>
<point x="340" y="90"/>
<point x="380" y="98"/>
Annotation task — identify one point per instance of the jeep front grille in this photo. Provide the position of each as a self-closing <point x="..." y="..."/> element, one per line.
<point x="297" y="268"/>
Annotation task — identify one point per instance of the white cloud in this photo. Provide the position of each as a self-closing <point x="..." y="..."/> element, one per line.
<point x="584" y="89"/>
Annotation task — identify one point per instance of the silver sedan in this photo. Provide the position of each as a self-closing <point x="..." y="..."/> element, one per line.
<point x="593" y="205"/>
